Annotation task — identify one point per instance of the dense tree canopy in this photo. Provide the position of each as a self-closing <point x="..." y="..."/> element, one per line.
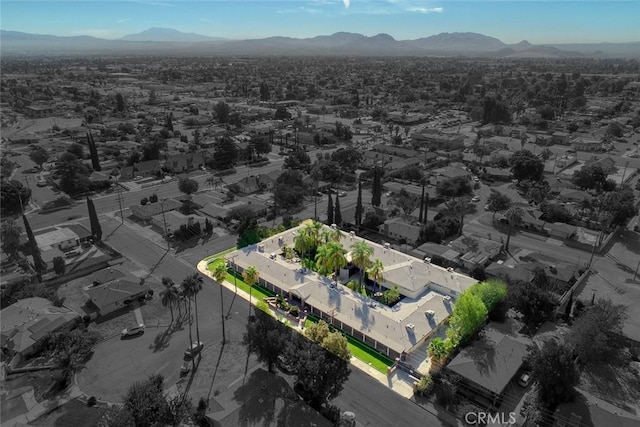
<point x="554" y="369"/>
<point x="526" y="165"/>
<point x="289" y="190"/>
<point x="11" y="193"/>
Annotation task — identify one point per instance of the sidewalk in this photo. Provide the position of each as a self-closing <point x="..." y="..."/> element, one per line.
<point x="399" y="381"/>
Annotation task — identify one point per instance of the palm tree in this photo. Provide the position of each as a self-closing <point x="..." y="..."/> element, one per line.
<point x="437" y="350"/>
<point x="302" y="242"/>
<point x="332" y="235"/>
<point x="361" y="257"/>
<point x="220" y="272"/>
<point x="169" y="297"/>
<point x="250" y="276"/>
<point x="375" y="271"/>
<point x="514" y="216"/>
<point x="192" y="285"/>
<point x="331" y="256"/>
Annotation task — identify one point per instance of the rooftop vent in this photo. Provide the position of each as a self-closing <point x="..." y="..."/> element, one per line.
<point x="334" y="226"/>
<point x="427" y="260"/>
<point x="430" y="313"/>
<point x="446" y="298"/>
<point x="410" y="326"/>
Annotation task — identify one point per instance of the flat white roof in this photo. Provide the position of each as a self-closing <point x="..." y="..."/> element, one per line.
<point x="425" y="309"/>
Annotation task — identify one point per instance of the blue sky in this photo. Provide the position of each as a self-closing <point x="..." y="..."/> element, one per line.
<point x="511" y="21"/>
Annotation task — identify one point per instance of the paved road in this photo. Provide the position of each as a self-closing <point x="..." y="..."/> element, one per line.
<point x="377" y="406"/>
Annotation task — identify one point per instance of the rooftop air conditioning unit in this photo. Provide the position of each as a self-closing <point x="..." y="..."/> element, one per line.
<point x="450" y="269"/>
<point x="387" y="245"/>
<point x="410" y="326"/>
<point x="446" y="298"/>
<point x="334" y="226"/>
<point x="260" y="248"/>
<point x="430" y="313"/>
<point x="427" y="260"/>
<point x="352" y="234"/>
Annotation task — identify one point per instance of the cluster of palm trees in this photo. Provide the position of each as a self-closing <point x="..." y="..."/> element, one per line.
<point x="181" y="295"/>
<point x="325" y="247"/>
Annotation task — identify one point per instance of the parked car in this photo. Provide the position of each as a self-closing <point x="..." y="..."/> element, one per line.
<point x="475" y="199"/>
<point x="525" y="379"/>
<point x="136" y="330"/>
<point x="195" y="348"/>
<point x="41" y="183"/>
<point x="342" y="194"/>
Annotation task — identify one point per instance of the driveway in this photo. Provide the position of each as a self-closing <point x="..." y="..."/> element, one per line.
<point x="117" y="363"/>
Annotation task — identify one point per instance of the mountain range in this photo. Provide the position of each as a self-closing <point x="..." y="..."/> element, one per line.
<point x="159" y="41"/>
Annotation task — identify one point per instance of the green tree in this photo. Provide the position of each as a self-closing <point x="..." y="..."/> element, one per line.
<point x="192" y="285"/>
<point x="469" y="314"/>
<point x="121" y="105"/>
<point x="589" y="177"/>
<point x="77" y="150"/>
<point x="96" y="229"/>
<point x="169" y="295"/>
<point x="491" y="292"/>
<point x="376" y="272"/>
<point x="358" y="213"/>
<point x="11" y="238"/>
<point x="361" y="254"/>
<point x="266" y="338"/>
<point x="38" y="263"/>
<point x="59" y="266"/>
<point x="596" y="334"/>
<point x="526" y="165"/>
<point x="337" y="344"/>
<point x="320" y="374"/>
<point x="437" y="349"/>
<point x="317" y="332"/>
<point x="457" y="190"/>
<point x="222" y="111"/>
<point x="405" y="201"/>
<point x="11" y="194"/>
<point x="514" y="216"/>
<point x="536" y="305"/>
<point x="337" y="213"/>
<point x="250" y="276"/>
<point x="376" y="189"/>
<point x="390" y="296"/>
<point x="188" y="186"/>
<point x="554" y="369"/>
<point x="331" y="257"/>
<point x="498" y="202"/>
<point x="329" y="208"/>
<point x="225" y="153"/>
<point x="145" y="401"/>
<point x="289" y="191"/>
<point x="39" y="156"/>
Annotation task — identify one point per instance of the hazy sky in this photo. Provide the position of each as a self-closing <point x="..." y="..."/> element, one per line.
<point x="511" y="21"/>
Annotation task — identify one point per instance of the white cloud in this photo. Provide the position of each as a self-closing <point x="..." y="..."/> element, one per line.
<point x="300" y="9"/>
<point x="123" y="20"/>
<point x="418" y="9"/>
<point x="347" y="3"/>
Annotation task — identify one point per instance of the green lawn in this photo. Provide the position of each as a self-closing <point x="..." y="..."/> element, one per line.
<point x="220" y="254"/>
<point x="362" y="351"/>
<point x="258" y="291"/>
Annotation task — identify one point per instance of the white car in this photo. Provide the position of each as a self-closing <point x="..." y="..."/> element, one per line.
<point x="194" y="349"/>
<point x="133" y="331"/>
<point x="475" y="199"/>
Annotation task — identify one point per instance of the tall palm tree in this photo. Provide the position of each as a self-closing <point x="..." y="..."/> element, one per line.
<point x="219" y="274"/>
<point x="331" y="256"/>
<point x="301" y="242"/>
<point x="168" y="297"/>
<point x="514" y="216"/>
<point x="375" y="271"/>
<point x="332" y="235"/>
<point x="250" y="276"/>
<point x="361" y="257"/>
<point x="192" y="285"/>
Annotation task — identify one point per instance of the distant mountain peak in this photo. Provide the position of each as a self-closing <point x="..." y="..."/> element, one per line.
<point x="160" y="34"/>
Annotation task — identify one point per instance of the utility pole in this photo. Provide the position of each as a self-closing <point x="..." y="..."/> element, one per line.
<point x="164" y="221"/>
<point x="120" y="203"/>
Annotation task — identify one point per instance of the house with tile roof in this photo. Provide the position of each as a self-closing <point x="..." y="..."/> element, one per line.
<point x="25" y="323"/>
<point x="115" y="295"/>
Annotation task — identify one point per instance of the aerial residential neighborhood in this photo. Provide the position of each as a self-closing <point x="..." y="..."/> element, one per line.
<point x="342" y="230"/>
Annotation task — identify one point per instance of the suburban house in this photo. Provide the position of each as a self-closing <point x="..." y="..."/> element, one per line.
<point x="565" y="161"/>
<point x="475" y="250"/>
<point x="498" y="174"/>
<point x="452" y="172"/>
<point x="586" y="144"/>
<point x="186" y="162"/>
<point x="248" y="184"/>
<point x="25" y="323"/>
<point x="561" y="138"/>
<point x="430" y="250"/>
<point x="435" y="138"/>
<point x="61" y="238"/>
<point x="174" y="219"/>
<point x="589" y="411"/>
<point x="148" y="211"/>
<point x="488" y="364"/>
<point x="143" y="169"/>
<point x="399" y="229"/>
<point x="115" y="295"/>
